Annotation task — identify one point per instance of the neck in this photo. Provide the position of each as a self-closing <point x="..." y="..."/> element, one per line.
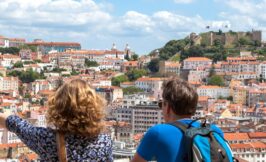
<point x="174" y="117"/>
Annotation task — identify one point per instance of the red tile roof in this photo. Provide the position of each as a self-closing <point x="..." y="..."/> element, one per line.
<point x="197" y="59"/>
<point x="257" y="135"/>
<point x="55" y="43"/>
<point x="236" y="136"/>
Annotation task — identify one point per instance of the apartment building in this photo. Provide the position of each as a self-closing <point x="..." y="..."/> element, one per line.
<point x="40" y="118"/>
<point x="129" y="65"/>
<point x="241" y="59"/>
<point x="141" y="114"/>
<point x="16" y="42"/>
<point x="252" y="152"/>
<point x="197" y="75"/>
<point x="135" y="99"/>
<point x="213" y="91"/>
<point x="8" y="60"/>
<point x="3" y="70"/>
<point x="4" y="41"/>
<point x="262" y="70"/>
<point x="240" y="94"/>
<point x="9" y="83"/>
<point x="254" y="96"/>
<point x="151" y="85"/>
<point x="25" y="54"/>
<point x="46" y="47"/>
<point x="169" y="68"/>
<point x="39" y="85"/>
<point x="145" y="116"/>
<point x="248" y="146"/>
<point x="192" y="63"/>
<point x="110" y="93"/>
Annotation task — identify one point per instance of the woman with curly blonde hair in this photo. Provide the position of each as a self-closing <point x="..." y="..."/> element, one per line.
<point x="76" y="111"/>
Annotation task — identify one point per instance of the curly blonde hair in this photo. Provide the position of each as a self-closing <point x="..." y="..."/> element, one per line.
<point x="76" y="108"/>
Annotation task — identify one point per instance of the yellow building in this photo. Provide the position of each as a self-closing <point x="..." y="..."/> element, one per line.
<point x="240" y="95"/>
<point x="226" y="114"/>
<point x="234" y="83"/>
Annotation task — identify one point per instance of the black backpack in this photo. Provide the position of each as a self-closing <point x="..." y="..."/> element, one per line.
<point x="202" y="144"/>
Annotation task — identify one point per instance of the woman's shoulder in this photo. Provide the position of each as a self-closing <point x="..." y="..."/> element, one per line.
<point x="104" y="136"/>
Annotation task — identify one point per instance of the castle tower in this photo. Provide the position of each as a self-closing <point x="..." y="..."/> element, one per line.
<point x="113" y="47"/>
<point x="127" y="52"/>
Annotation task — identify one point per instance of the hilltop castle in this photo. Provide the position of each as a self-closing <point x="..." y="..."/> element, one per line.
<point x="227" y="38"/>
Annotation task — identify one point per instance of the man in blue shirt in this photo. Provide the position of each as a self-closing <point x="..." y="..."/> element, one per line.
<point x="164" y="142"/>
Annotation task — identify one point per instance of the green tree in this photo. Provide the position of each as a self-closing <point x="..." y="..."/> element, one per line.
<point x="27" y="76"/>
<point x="28" y="62"/>
<point x="38" y="61"/>
<point x="18" y="64"/>
<point x="243" y="41"/>
<point x="220" y="32"/>
<point x="10" y="50"/>
<point x="89" y="63"/>
<point x="212" y="71"/>
<point x="74" y="72"/>
<point x="117" y="80"/>
<point x="135" y="57"/>
<point x="31" y="47"/>
<point x="131" y="90"/>
<point x="135" y="74"/>
<point x="194" y="51"/>
<point x="172" y="47"/>
<point x="153" y="65"/>
<point x="127" y="57"/>
<point x="217" y="43"/>
<point x="257" y="43"/>
<point x="216" y="80"/>
<point x="58" y="70"/>
<point x="27" y="95"/>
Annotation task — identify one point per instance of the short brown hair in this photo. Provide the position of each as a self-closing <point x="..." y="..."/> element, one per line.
<point x="180" y="96"/>
<point x="75" y="108"/>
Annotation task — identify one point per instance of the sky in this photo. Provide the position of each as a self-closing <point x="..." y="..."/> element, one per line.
<point x="143" y="24"/>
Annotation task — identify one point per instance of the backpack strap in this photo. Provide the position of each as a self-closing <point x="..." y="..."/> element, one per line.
<point x="61" y="147"/>
<point x="182" y="126"/>
<point x="187" y="142"/>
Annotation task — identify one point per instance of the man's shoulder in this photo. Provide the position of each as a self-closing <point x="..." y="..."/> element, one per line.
<point x="165" y="128"/>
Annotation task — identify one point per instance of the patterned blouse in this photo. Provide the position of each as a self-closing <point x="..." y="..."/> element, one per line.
<point x="43" y="142"/>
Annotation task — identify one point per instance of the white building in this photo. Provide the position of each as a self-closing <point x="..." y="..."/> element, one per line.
<point x="193" y="63"/>
<point x="9" y="60"/>
<point x="213" y="91"/>
<point x="262" y="70"/>
<point x="4" y="42"/>
<point x="39" y="85"/>
<point x="197" y="75"/>
<point x="252" y="152"/>
<point x="134" y="99"/>
<point x="141" y="116"/>
<point x="9" y="83"/>
<point x="40" y="118"/>
<point x="152" y="85"/>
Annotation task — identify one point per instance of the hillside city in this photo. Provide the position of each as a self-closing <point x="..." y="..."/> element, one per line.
<point x="227" y="69"/>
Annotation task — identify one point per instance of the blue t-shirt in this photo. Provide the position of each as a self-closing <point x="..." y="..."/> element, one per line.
<point x="163" y="142"/>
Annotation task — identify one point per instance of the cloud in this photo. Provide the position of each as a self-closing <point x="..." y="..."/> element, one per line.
<point x="168" y="21"/>
<point x="244" y="14"/>
<point x="183" y="1"/>
<point x="45" y="13"/>
<point x="132" y="23"/>
<point x="92" y="23"/>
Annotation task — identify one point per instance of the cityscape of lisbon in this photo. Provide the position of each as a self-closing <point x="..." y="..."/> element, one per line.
<point x="228" y="70"/>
